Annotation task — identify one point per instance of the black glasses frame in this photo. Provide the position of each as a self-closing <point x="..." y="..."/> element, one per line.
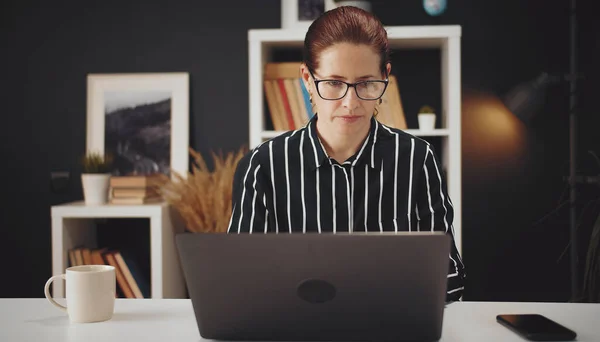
<point x="350" y="85"/>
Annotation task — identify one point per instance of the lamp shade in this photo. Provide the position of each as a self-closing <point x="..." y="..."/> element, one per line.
<point x="526" y="99"/>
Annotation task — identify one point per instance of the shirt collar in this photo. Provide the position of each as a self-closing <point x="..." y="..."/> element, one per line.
<point x="313" y="147"/>
<point x="369" y="153"/>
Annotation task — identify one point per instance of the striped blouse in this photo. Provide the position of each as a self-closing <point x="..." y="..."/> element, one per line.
<point x="393" y="183"/>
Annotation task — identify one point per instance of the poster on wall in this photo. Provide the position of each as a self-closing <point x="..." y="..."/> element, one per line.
<point x="301" y="13"/>
<point x="141" y="120"/>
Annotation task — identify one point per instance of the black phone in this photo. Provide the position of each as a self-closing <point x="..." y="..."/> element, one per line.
<point x="536" y="327"/>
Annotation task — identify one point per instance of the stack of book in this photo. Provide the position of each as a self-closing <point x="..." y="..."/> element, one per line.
<point x="288" y="100"/>
<point x="138" y="189"/>
<point x="287" y="97"/>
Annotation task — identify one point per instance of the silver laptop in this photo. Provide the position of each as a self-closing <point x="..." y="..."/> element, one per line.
<point x="317" y="287"/>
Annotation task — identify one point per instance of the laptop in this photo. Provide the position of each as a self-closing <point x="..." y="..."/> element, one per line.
<point x="317" y="287"/>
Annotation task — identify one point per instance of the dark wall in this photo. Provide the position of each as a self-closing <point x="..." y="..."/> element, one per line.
<point x="49" y="51"/>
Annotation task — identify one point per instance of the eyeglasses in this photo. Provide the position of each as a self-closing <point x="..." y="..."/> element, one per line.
<point x="336" y="89"/>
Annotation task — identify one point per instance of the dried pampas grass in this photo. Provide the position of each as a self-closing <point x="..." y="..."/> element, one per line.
<point x="203" y="199"/>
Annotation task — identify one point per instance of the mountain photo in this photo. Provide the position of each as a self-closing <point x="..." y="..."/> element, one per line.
<point x="138" y="131"/>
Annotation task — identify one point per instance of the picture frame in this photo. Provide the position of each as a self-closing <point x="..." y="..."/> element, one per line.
<point x="299" y="14"/>
<point x="141" y="119"/>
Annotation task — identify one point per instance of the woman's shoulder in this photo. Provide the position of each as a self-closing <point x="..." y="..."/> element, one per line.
<point x="257" y="158"/>
<point x="273" y="147"/>
<point x="391" y="133"/>
<point x="278" y="142"/>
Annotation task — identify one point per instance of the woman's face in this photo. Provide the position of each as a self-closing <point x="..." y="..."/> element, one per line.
<point x="350" y="63"/>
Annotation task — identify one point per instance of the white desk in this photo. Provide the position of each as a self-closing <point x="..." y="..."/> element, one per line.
<point x="173" y="320"/>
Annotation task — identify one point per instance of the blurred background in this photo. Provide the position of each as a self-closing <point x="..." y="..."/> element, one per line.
<point x="515" y="223"/>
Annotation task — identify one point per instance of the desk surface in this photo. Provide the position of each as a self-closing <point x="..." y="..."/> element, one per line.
<point x="173" y="320"/>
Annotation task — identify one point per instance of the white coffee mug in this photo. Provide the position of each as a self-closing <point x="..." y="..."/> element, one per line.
<point x="90" y="293"/>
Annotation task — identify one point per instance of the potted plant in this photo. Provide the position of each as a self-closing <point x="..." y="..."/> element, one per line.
<point x="95" y="177"/>
<point x="426" y="118"/>
<point x="363" y="4"/>
<point x="203" y="197"/>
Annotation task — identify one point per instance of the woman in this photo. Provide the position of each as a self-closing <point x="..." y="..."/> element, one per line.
<point x="344" y="171"/>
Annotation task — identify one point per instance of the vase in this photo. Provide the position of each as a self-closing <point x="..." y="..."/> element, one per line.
<point x="95" y="187"/>
<point x="426" y="121"/>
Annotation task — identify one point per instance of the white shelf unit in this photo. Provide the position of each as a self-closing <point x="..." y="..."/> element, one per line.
<point x="261" y="43"/>
<point x="73" y="225"/>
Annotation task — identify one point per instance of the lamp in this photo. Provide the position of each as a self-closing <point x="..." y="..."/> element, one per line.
<point x="524" y="101"/>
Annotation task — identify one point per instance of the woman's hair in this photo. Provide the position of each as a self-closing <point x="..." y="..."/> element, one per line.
<point x="345" y="24"/>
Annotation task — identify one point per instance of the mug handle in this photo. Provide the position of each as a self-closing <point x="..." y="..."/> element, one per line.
<point x="47" y="291"/>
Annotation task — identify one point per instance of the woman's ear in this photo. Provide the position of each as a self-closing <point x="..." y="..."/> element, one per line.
<point x="305" y="74"/>
<point x="388" y="68"/>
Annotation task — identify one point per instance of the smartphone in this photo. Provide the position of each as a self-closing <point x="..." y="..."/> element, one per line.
<point x="536" y="327"/>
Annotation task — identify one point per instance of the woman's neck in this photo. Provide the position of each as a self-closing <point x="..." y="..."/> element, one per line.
<point x="341" y="146"/>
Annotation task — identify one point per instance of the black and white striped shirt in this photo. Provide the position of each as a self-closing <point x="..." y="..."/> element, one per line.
<point x="393" y="183"/>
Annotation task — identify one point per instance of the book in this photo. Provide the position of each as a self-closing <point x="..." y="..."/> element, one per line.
<point x="109" y="257"/>
<point x="142" y="192"/>
<point x="275" y="70"/>
<point x="135" y="181"/>
<point x="136" y="279"/>
<point x="135" y="200"/>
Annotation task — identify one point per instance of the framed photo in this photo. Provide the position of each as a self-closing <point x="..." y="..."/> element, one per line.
<point x="301" y="13"/>
<point x="142" y="120"/>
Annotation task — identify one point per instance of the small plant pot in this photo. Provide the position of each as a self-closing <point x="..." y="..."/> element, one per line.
<point x="95" y="187"/>
<point x="426" y="121"/>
